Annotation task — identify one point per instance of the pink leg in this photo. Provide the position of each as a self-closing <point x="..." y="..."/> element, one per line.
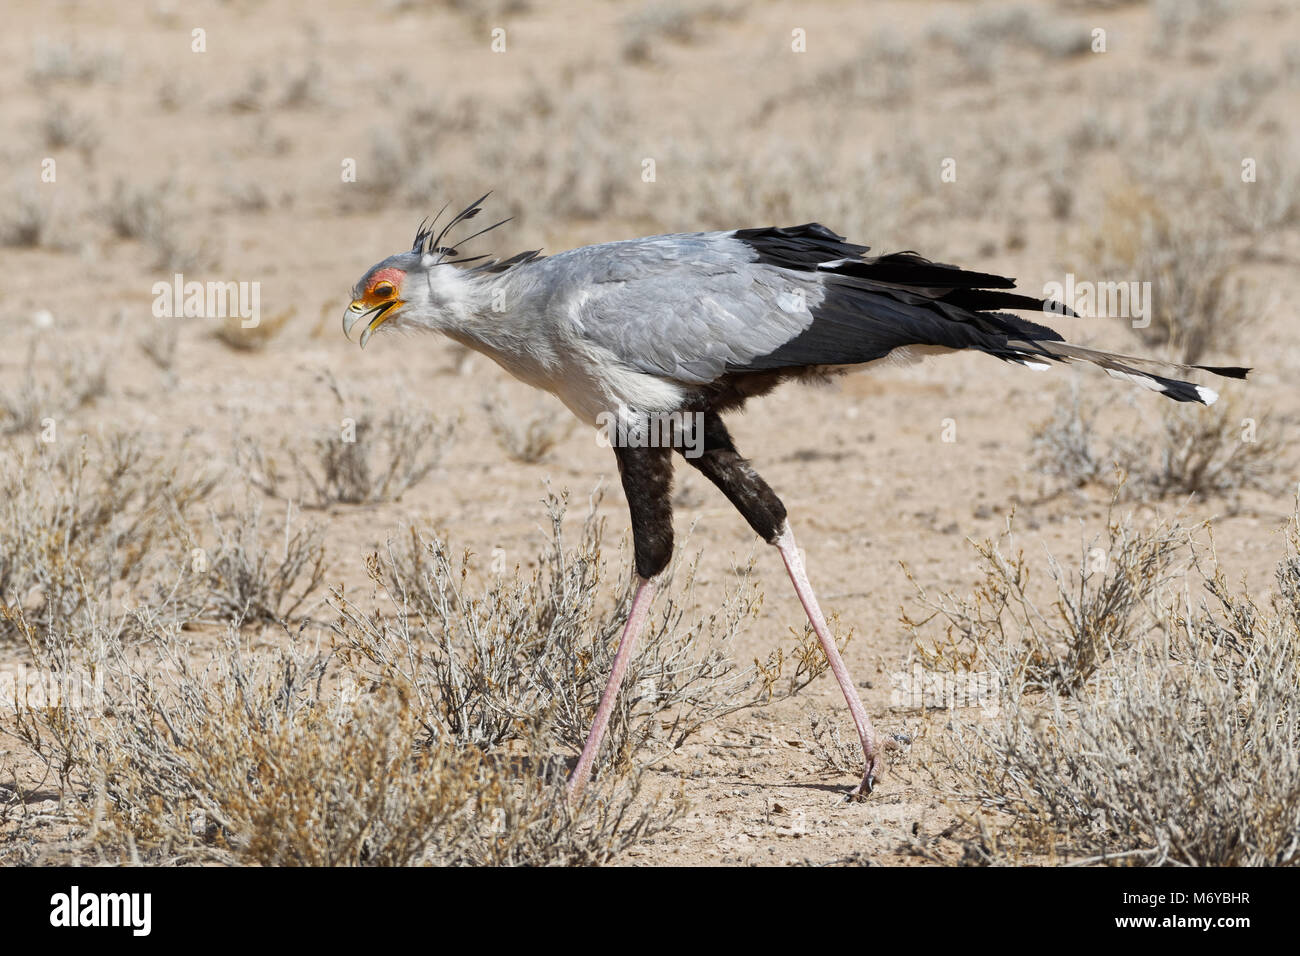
<point x="635" y="621"/>
<point x="866" y="733"/>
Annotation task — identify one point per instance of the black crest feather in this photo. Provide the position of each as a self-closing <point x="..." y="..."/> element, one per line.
<point x="428" y="243"/>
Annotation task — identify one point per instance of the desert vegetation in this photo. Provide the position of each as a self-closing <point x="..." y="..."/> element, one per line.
<point x="439" y="710"/>
<point x="1147" y="715"/>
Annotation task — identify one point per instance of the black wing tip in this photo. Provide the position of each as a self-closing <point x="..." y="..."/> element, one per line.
<point x="1227" y="371"/>
<point x="807" y="230"/>
<point x="1053" y="307"/>
<point x="906" y="267"/>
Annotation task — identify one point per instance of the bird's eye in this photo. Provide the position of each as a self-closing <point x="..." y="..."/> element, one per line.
<point x="384" y="289"/>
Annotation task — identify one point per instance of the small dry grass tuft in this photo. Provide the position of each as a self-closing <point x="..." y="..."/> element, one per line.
<point x="1217" y="451"/>
<point x="88" y="527"/>
<point x="1197" y="305"/>
<point x="52" y="386"/>
<point x="235" y="335"/>
<point x="369" y="460"/>
<point x="527" y="437"/>
<point x="1097" y="611"/>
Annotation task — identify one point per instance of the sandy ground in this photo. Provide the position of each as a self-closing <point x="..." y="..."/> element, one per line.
<point x="559" y="125"/>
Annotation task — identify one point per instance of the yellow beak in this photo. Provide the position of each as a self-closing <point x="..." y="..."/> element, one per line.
<point x="358" y="309"/>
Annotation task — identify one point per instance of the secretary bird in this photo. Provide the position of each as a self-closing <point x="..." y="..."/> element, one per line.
<point x="682" y="328"/>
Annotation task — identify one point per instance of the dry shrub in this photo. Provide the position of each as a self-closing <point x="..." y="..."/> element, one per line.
<point x="401" y="164"/>
<point x="254" y="759"/>
<point x="882" y="74"/>
<point x="1065" y="446"/>
<point x="825" y="741"/>
<point x="1197" y="305"/>
<point x="246" y="196"/>
<point x="1269" y="203"/>
<point x="520" y="657"/>
<point x="1098" y="609"/>
<point x="527" y="437"/>
<point x="65" y="382"/>
<point x="64" y="128"/>
<point x="657" y="24"/>
<point x="976" y="46"/>
<point x="149" y="214"/>
<point x="29" y="219"/>
<point x="1182" y="114"/>
<point x="158" y="342"/>
<point x="89" y="527"/>
<point x="303" y="88"/>
<point x="1212" y="451"/>
<point x="1183" y="749"/>
<point x="246" y="582"/>
<point x="59" y="62"/>
<point x="136" y="212"/>
<point x="233" y="334"/>
<point x="1178" y="19"/>
<point x="92" y="530"/>
<point x="1215" y="451"/>
<point x="433" y="732"/>
<point x="369" y="460"/>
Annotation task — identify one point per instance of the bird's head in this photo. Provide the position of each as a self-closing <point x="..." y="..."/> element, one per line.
<point x="417" y="288"/>
<point x="384" y="292"/>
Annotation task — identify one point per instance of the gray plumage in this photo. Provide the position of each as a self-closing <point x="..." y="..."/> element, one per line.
<point x="687" y="307"/>
<point x="707" y="319"/>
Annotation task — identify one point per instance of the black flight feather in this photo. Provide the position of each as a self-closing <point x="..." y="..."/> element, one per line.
<point x="871" y="306"/>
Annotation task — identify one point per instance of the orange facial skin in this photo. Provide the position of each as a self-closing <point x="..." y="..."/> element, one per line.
<point x="376" y="303"/>
<point x="382" y="288"/>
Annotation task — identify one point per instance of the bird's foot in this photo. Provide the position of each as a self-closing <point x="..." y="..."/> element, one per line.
<point x="875" y="764"/>
<point x="863" y="790"/>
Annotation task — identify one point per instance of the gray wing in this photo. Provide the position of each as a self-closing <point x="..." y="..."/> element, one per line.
<point x="686" y="307"/>
<point x="695" y="307"/>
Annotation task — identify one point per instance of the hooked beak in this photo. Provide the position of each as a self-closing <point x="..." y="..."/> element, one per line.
<point x="358" y="310"/>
